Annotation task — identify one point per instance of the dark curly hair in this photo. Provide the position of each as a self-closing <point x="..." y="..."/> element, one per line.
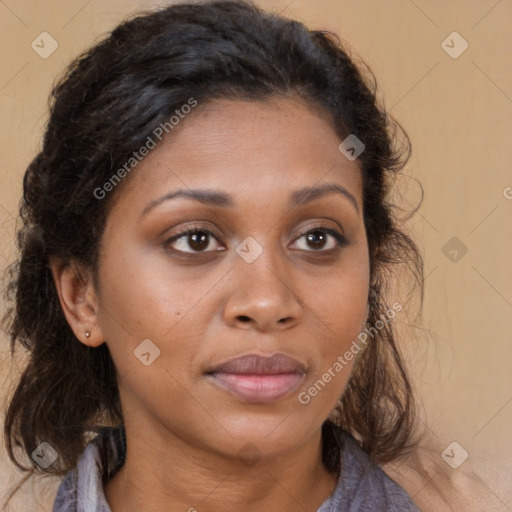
<point x="103" y="109"/>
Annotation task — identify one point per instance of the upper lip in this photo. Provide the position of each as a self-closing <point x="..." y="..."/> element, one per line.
<point x="257" y="364"/>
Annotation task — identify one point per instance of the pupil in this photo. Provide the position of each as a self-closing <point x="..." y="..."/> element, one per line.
<point x="316" y="236"/>
<point x="199" y="245"/>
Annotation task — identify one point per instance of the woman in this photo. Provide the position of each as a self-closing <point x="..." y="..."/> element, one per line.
<point x="205" y="250"/>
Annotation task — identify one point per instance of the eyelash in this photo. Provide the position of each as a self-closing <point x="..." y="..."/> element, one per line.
<point x="340" y="239"/>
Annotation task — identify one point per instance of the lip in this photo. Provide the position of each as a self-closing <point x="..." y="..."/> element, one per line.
<point x="257" y="364"/>
<point x="258" y="379"/>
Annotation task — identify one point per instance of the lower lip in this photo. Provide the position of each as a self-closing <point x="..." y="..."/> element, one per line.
<point x="258" y="388"/>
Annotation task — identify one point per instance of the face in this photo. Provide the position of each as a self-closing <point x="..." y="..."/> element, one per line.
<point x="254" y="265"/>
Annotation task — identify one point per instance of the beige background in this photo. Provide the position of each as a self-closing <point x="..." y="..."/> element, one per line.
<point x="457" y="112"/>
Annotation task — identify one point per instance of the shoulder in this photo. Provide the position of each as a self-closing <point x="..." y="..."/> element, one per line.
<point x="82" y="487"/>
<point x="66" y="498"/>
<point x="363" y="486"/>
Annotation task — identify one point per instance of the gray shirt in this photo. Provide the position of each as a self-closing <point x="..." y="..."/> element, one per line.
<point x="362" y="486"/>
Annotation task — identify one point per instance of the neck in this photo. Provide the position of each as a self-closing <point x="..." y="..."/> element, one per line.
<point x="171" y="475"/>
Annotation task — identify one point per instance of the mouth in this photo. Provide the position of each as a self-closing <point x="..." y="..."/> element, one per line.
<point x="258" y="379"/>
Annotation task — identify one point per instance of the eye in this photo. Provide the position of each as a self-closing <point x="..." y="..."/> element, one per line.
<point x="322" y="239"/>
<point x="192" y="239"/>
<point x="197" y="239"/>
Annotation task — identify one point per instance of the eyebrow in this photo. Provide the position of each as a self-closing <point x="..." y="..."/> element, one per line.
<point x="210" y="197"/>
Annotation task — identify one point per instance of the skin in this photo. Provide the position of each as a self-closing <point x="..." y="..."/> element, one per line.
<point x="184" y="434"/>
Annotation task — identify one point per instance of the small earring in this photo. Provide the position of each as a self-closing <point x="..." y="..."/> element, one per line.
<point x="87" y="334"/>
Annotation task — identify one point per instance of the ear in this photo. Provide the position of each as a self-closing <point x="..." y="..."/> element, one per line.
<point x="78" y="300"/>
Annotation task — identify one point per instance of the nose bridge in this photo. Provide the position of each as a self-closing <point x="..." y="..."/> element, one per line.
<point x="263" y="294"/>
<point x="259" y="268"/>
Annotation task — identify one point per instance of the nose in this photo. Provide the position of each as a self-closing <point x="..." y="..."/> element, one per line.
<point x="264" y="295"/>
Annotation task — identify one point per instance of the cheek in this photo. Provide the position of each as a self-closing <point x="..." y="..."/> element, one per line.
<point x="140" y="294"/>
<point x="341" y="301"/>
<point x="140" y="302"/>
<point x="338" y="315"/>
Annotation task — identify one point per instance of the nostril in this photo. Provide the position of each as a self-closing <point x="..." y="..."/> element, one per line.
<point x="244" y="318"/>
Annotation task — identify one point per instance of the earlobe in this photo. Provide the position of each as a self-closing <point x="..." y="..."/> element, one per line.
<point x="78" y="300"/>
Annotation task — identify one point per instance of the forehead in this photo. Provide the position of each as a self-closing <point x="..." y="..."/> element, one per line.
<point x="253" y="149"/>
